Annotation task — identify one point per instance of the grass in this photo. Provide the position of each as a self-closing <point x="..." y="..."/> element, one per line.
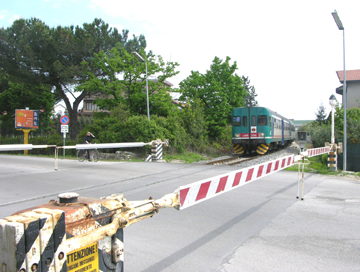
<point x="318" y="164"/>
<point x="186" y="157"/>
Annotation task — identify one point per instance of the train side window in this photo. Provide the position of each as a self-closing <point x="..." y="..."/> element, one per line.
<point x="269" y="121"/>
<point x="253" y="120"/>
<point x="262" y="120"/>
<point x="237" y="121"/>
<point x="244" y="121"/>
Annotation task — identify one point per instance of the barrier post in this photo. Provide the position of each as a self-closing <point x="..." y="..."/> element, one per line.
<point x="332" y="161"/>
<point x="157" y="150"/>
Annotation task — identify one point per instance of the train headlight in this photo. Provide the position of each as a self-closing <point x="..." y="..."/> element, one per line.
<point x="262" y="134"/>
<point x="237" y="135"/>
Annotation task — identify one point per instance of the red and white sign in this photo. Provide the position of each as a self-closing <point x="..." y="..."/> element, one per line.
<point x="197" y="192"/>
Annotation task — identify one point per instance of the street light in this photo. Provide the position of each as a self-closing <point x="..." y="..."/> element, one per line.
<point x="333" y="102"/>
<point x="136" y="54"/>
<point x="341" y="27"/>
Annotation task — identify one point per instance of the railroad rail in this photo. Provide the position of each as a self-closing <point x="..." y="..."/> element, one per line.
<point x="231" y="160"/>
<point x="234" y="160"/>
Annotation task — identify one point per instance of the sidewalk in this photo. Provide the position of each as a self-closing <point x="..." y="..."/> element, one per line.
<point x="321" y="233"/>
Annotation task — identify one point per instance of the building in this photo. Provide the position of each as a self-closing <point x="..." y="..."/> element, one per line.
<point x="89" y="106"/>
<point x="352" y="87"/>
<point x="299" y="123"/>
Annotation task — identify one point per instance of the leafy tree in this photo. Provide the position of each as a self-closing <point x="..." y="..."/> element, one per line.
<point x="123" y="81"/>
<point x="219" y="89"/>
<point x="193" y="121"/>
<point x="250" y="89"/>
<point x="353" y="121"/>
<point x="20" y="96"/>
<point x="321" y="114"/>
<point x="33" y="53"/>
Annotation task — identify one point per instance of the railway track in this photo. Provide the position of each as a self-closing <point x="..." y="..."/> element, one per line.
<point x="232" y="160"/>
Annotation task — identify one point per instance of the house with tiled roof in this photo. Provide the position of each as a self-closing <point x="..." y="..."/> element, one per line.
<point x="89" y="107"/>
<point x="352" y="87"/>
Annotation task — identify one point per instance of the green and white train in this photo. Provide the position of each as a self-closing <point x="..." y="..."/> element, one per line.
<point x="260" y="129"/>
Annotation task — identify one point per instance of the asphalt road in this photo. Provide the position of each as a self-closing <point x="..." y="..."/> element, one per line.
<point x="257" y="227"/>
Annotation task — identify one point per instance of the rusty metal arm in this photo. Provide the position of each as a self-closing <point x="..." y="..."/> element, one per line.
<point x="131" y="212"/>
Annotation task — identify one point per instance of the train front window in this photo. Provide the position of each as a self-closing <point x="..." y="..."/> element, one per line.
<point x="236" y="121"/>
<point x="253" y="120"/>
<point x="262" y="120"/>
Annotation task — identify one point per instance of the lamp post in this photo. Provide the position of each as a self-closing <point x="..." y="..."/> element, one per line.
<point x="136" y="54"/>
<point x="341" y="27"/>
<point x="332" y="101"/>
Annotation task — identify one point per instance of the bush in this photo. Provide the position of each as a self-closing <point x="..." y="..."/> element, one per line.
<point x="320" y="135"/>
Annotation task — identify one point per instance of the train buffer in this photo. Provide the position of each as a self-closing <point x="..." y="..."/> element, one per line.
<point x="84" y="234"/>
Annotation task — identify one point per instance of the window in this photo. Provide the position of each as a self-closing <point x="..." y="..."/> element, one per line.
<point x="253" y="120"/>
<point x="90" y="106"/>
<point x="236" y="121"/>
<point x="244" y="121"/>
<point x="270" y="121"/>
<point x="262" y="120"/>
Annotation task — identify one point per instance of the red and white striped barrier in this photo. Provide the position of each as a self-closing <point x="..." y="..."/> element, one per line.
<point x="199" y="191"/>
<point x="316" y="151"/>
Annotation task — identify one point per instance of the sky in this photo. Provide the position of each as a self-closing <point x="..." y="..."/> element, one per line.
<point x="290" y="50"/>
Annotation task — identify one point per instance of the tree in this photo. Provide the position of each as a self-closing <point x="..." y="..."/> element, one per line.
<point x="321" y="115"/>
<point x="251" y="97"/>
<point x="353" y="121"/>
<point x="19" y="96"/>
<point x="123" y="81"/>
<point x="220" y="89"/>
<point x="33" y="53"/>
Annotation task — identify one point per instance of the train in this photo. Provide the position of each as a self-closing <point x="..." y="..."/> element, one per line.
<point x="260" y="129"/>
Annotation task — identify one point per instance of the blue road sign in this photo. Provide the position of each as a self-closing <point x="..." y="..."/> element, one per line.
<point x="64" y="120"/>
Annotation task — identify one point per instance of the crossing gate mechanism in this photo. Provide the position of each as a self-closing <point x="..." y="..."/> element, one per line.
<point x="72" y="234"/>
<point x="77" y="234"/>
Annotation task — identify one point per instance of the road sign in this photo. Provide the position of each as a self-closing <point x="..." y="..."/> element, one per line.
<point x="64" y="128"/>
<point x="64" y="120"/>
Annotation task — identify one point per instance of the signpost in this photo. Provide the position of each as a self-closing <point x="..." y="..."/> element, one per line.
<point x="64" y="120"/>
<point x="26" y="120"/>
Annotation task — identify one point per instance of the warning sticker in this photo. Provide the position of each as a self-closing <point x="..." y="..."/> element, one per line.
<point x="83" y="259"/>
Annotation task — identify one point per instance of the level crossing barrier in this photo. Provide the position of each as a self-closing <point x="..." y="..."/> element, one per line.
<point x="15" y="147"/>
<point x="156" y="145"/>
<point x="84" y="234"/>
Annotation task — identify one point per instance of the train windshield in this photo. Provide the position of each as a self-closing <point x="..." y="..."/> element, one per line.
<point x="262" y="120"/>
<point x="253" y="120"/>
<point x="236" y="121"/>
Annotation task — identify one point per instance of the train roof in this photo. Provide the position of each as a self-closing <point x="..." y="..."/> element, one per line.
<point x="271" y="112"/>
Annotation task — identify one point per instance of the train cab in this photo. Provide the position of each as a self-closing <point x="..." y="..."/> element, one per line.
<point x="260" y="129"/>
